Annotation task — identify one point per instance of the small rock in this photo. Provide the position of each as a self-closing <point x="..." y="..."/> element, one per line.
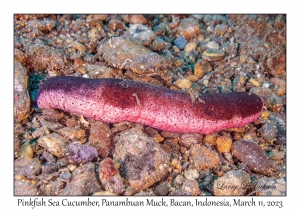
<point x="53" y="126"/>
<point x="228" y="74"/>
<point x="189" y="47"/>
<point x="199" y="70"/>
<point x="100" y="138"/>
<point x="100" y="71"/>
<point x="270" y="187"/>
<point x="115" y="24"/>
<point x="213" y="54"/>
<point x="212" y="45"/>
<point x="178" y="181"/>
<point x="53" y="143"/>
<point x="49" y="168"/>
<point x="62" y="162"/>
<point x="188" y="27"/>
<point x="26" y="151"/>
<point x="159" y="44"/>
<point x="168" y="134"/>
<point x="133" y="19"/>
<point x="203" y="157"/>
<point x="40" y="132"/>
<point x="161" y="189"/>
<point x="224" y="143"/>
<point x="269" y="131"/>
<point x="84" y="181"/>
<point x="239" y="83"/>
<point x="180" y="42"/>
<point x="187" y="140"/>
<point x="49" y="157"/>
<point x="110" y="177"/>
<point x="100" y="17"/>
<point x="140" y="34"/>
<point x="52" y="115"/>
<point x="139" y="59"/>
<point x="191" y="174"/>
<point x="65" y="176"/>
<point x="232" y="183"/>
<point x="183" y="83"/>
<point x="21" y="95"/>
<point x="254" y="82"/>
<point x="142" y="161"/>
<point x="25" y="188"/>
<point x="78" y="153"/>
<point x="253" y="156"/>
<point x="176" y="164"/>
<point x="78" y="46"/>
<point x="191" y="186"/>
<point x="221" y="29"/>
<point x="211" y="139"/>
<point x="73" y="134"/>
<point x="27" y="167"/>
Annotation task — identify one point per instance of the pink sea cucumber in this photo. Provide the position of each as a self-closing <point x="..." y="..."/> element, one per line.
<point x="116" y="100"/>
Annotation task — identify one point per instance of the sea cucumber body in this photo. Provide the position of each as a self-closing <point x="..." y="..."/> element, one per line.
<point x="116" y="100"/>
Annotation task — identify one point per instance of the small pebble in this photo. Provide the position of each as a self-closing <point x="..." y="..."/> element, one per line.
<point x="53" y="143"/>
<point x="140" y="34"/>
<point x="221" y="29"/>
<point x="191" y="186"/>
<point x="188" y="27"/>
<point x="52" y="115"/>
<point x="213" y="54"/>
<point x="180" y="42"/>
<point x="187" y="140"/>
<point x="100" y="138"/>
<point x="66" y="176"/>
<point x="110" y="177"/>
<point x="176" y="164"/>
<point x="73" y="134"/>
<point x="26" y="151"/>
<point x="191" y="174"/>
<point x="190" y="46"/>
<point x="203" y="157"/>
<point x="211" y="139"/>
<point x="178" y="180"/>
<point x="212" y="45"/>
<point x="224" y="144"/>
<point x="78" y="153"/>
<point x="161" y="189"/>
<point x="49" y="168"/>
<point x="183" y="83"/>
<point x="269" y="131"/>
<point x="254" y="82"/>
<point x="199" y="70"/>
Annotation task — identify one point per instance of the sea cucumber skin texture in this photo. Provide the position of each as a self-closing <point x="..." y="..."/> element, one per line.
<point x="116" y="100"/>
